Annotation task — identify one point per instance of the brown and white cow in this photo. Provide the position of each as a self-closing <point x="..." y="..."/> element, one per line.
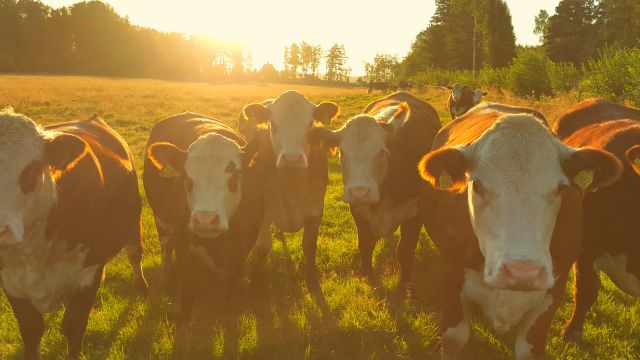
<point x="206" y="199"/>
<point x="611" y="227"/>
<point x="69" y="202"/>
<point x="461" y="99"/>
<point x="508" y="224"/>
<point x="295" y="171"/>
<point x="379" y="152"/>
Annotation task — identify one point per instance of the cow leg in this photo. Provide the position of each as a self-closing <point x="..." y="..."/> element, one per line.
<point x="366" y="244"/>
<point x="405" y="252"/>
<point x="309" y="247"/>
<point x="186" y="282"/>
<point x="454" y="324"/>
<point x="134" y="253"/>
<point x="585" y="293"/>
<point x="534" y="330"/>
<point x="166" y="235"/>
<point x="262" y="249"/>
<point x="31" y="326"/>
<point x="76" y="315"/>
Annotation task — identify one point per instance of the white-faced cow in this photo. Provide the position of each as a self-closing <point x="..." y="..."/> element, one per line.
<point x="206" y="200"/>
<point x="611" y="226"/>
<point x="296" y="173"/>
<point x="69" y="202"/>
<point x="509" y="222"/>
<point x="461" y="99"/>
<point x="379" y="152"/>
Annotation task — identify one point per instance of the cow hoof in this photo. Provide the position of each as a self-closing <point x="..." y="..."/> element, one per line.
<point x="574" y="336"/>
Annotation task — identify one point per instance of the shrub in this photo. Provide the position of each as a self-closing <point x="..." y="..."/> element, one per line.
<point x="530" y="73"/>
<point x="564" y="77"/>
<point x="614" y="75"/>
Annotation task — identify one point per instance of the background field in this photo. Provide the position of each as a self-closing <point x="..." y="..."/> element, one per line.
<point x="278" y="320"/>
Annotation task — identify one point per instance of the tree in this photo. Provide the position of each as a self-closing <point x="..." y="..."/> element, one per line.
<point x="336" y="59"/>
<point x="571" y="31"/>
<point x="541" y="23"/>
<point x="384" y="67"/>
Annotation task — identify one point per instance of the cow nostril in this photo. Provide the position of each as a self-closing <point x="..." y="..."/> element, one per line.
<point x="523" y="269"/>
<point x="215" y="219"/>
<point x="359" y="191"/>
<point x="4" y="230"/>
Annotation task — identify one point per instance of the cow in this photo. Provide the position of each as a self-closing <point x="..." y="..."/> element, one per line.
<point x="295" y="173"/>
<point x="379" y="152"/>
<point x="461" y="99"/>
<point x="507" y="220"/>
<point x="206" y="200"/>
<point x="69" y="202"/>
<point x="610" y="227"/>
<point x="383" y="86"/>
<point x="405" y="85"/>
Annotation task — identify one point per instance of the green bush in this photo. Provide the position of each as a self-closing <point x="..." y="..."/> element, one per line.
<point x="499" y="77"/>
<point x="564" y="77"/>
<point x="440" y="77"/>
<point x="7" y="64"/>
<point x="530" y="74"/>
<point x="614" y="75"/>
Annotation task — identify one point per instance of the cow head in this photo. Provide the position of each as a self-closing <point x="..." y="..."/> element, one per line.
<point x="456" y="91"/>
<point x="477" y="96"/>
<point x="31" y="160"/>
<point x="364" y="153"/>
<point x="633" y="156"/>
<point x="211" y="170"/>
<point x="290" y="117"/>
<point x="516" y="173"/>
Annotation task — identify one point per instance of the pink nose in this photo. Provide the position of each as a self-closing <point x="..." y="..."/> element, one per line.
<point x="205" y="219"/>
<point x="293" y="159"/>
<point x="523" y="274"/>
<point x="6" y="235"/>
<point x="359" y="192"/>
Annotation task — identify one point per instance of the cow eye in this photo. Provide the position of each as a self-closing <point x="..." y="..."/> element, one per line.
<point x="30" y="176"/>
<point x="188" y="184"/>
<point x="477" y="187"/>
<point x="234" y="182"/>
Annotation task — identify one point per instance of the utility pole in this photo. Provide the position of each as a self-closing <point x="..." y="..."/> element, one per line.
<point x="475" y="30"/>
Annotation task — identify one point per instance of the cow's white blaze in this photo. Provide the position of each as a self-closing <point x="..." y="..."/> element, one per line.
<point x="291" y="118"/>
<point x="514" y="199"/>
<point x="213" y="171"/>
<point x="22" y="143"/>
<point x="456" y="92"/>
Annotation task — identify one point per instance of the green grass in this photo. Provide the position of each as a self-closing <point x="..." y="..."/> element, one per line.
<point x="278" y="320"/>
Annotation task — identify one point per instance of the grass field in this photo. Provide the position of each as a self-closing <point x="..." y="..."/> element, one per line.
<point x="278" y="320"/>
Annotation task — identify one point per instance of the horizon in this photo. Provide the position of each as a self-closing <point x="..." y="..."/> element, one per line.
<point x="266" y="39"/>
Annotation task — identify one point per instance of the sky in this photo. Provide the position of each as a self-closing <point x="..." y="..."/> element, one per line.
<point x="365" y="27"/>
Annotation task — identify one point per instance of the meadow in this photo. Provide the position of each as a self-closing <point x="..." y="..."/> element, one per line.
<point x="278" y="319"/>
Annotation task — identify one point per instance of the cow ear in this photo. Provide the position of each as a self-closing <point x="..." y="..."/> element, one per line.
<point x="64" y="151"/>
<point x="256" y="113"/>
<point x="325" y="112"/>
<point x="445" y="169"/>
<point x="591" y="169"/>
<point x="325" y="137"/>
<point x="167" y="158"/>
<point x="400" y="116"/>
<point x="633" y="156"/>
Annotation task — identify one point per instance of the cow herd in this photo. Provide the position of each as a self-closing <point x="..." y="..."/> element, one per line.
<point x="511" y="203"/>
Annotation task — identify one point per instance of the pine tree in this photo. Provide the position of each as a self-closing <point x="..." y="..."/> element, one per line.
<point x="571" y="31"/>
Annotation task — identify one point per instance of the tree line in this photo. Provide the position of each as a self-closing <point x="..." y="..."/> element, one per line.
<point x="91" y="38"/>
<point x="302" y="62"/>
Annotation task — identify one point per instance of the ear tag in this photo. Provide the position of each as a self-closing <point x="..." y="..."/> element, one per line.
<point x="583" y="179"/>
<point x="168" y="172"/>
<point x="636" y="162"/>
<point x="445" y="181"/>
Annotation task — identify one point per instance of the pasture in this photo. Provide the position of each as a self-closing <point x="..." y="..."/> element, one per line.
<point x="278" y="319"/>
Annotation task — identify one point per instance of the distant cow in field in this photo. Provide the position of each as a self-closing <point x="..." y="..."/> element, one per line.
<point x="507" y="219"/>
<point x="461" y="99"/>
<point x="69" y="202"/>
<point x="405" y="85"/>
<point x="379" y="151"/>
<point x="611" y="225"/>
<point x="206" y="200"/>
<point x="383" y="86"/>
<point x="295" y="172"/>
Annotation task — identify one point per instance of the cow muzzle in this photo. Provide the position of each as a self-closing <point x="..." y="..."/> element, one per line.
<point x="524" y="275"/>
<point x="8" y="237"/>
<point x="291" y="160"/>
<point x="361" y="195"/>
<point x="207" y="224"/>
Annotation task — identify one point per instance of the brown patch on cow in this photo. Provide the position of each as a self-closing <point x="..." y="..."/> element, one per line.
<point x="165" y="154"/>
<point x="633" y="156"/>
<point x="29" y="176"/>
<point x="591" y="111"/>
<point x="257" y="112"/>
<point x="606" y="167"/>
<point x="64" y="152"/>
<point x="445" y="165"/>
